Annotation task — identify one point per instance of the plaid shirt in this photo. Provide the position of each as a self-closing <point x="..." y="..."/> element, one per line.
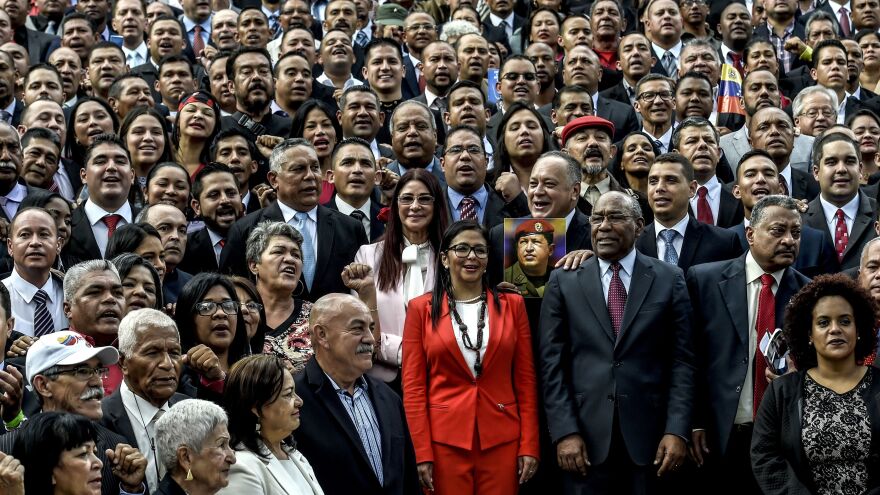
<point x="785" y="57"/>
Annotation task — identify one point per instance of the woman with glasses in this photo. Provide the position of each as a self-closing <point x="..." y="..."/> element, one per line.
<point x="251" y="312"/>
<point x="469" y="386"/>
<point x="212" y="333"/>
<point x="403" y="262"/>
<point x="274" y="257"/>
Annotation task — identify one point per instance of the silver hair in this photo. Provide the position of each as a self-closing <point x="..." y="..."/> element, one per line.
<point x="276" y="159"/>
<point x="76" y="275"/>
<point x="259" y="238"/>
<point x="143" y="215"/>
<point x="819" y="15"/>
<point x="573" y="167"/>
<point x="797" y="106"/>
<point x="419" y="104"/>
<point x="456" y="29"/>
<point x="187" y="423"/>
<point x="865" y="250"/>
<point x="630" y="202"/>
<point x="135" y="323"/>
<point x="697" y="43"/>
<point x="758" y="211"/>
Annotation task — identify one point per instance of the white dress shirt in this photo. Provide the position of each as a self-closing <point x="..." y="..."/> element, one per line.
<point x="850" y="210"/>
<point x="677" y="243"/>
<point x="627" y="264"/>
<point x="713" y="196"/>
<point x="323" y="79"/>
<point x="347" y="209"/>
<point x="311" y="226"/>
<point x="136" y="57"/>
<point x="664" y="139"/>
<point x="470" y="315"/>
<point x="496" y="21"/>
<point x="676" y="52"/>
<point x="99" y="229"/>
<point x="10" y="110"/>
<point x="11" y="201"/>
<point x="841" y="110"/>
<point x="786" y="174"/>
<point x="62" y="180"/>
<point x="21" y="295"/>
<point x="143" y="417"/>
<point x="744" y="410"/>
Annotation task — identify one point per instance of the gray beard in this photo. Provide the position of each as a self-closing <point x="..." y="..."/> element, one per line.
<point x="592" y="170"/>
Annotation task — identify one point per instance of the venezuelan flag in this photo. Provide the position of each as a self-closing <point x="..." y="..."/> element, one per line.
<point x="731" y="113"/>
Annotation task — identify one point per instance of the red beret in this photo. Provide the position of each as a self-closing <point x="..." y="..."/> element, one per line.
<point x="586" y="122"/>
<point x="536" y="226"/>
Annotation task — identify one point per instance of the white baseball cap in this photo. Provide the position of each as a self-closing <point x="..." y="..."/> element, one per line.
<point x="64" y="348"/>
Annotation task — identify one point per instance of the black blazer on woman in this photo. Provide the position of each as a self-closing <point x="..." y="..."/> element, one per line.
<point x="779" y="461"/>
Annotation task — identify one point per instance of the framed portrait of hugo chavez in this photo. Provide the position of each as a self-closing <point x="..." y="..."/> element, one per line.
<point x="531" y="247"/>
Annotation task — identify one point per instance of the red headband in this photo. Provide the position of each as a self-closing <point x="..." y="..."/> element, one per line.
<point x="195" y="98"/>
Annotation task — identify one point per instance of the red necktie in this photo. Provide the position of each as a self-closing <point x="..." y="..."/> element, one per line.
<point x="198" y="42"/>
<point x="111" y="221"/>
<point x="422" y="82"/>
<point x="616" y="298"/>
<point x="737" y="62"/>
<point x="765" y="323"/>
<point x="222" y="243"/>
<point x="844" y="22"/>
<point x="704" y="211"/>
<point x="841" y="237"/>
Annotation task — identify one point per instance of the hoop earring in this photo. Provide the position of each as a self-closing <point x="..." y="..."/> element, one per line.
<point x="299" y="285"/>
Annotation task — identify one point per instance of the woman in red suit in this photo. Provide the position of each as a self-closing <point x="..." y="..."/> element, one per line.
<point x="469" y="386"/>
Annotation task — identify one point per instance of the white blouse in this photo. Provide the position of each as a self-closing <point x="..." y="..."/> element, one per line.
<point x="470" y="314"/>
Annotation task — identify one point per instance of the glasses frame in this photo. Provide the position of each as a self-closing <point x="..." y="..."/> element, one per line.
<point x="471" y="249"/>
<point x="231" y="307"/>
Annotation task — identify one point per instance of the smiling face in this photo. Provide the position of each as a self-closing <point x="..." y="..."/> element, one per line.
<point x="838" y="172"/>
<point x="169" y="186"/>
<point x="109" y="175"/>
<point x="735" y="26"/>
<point x="669" y="192"/>
<point x="216" y="330"/>
<point x="97" y="305"/>
<point x="413" y="136"/>
<point x="383" y="69"/>
<point x="551" y="194"/>
<point x="867" y="131"/>
<point x="774" y="243"/>
<point x="233" y="151"/>
<point x="135" y="93"/>
<point x="139" y="289"/>
<point x="701" y="59"/>
<point x="518" y="82"/>
<point x="470" y="269"/>
<point x="360" y="116"/>
<point x="638" y="154"/>
<point x="151" y="250"/>
<point x="416" y="216"/>
<point x="282" y="414"/>
<point x="146" y="139"/>
<point x="657" y="110"/>
<point x="615" y="236"/>
<point x="40" y="162"/>
<point x="90" y="120"/>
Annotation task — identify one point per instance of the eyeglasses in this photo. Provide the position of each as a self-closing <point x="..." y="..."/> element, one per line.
<point x="422" y="199"/>
<point x="688" y="3"/>
<point x="458" y="150"/>
<point x="650" y="95"/>
<point x="252" y="307"/>
<point x="815" y="112"/>
<point x="208" y="308"/>
<point x="514" y="76"/>
<point x="83" y="373"/>
<point x="419" y="27"/>
<point x="613" y="219"/>
<point x="464" y="251"/>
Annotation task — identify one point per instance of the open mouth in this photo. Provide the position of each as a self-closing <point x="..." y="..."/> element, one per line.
<point x="109" y="316"/>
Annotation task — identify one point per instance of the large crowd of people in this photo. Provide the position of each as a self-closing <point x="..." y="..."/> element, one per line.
<point x="264" y="247"/>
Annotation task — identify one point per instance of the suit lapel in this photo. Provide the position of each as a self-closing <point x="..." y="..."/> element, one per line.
<point x="380" y="407"/>
<point x="330" y="398"/>
<point x="87" y="237"/>
<point x="815" y="217"/>
<point x="860" y="223"/>
<point x="117" y="415"/>
<point x="591" y="283"/>
<point x="279" y="472"/>
<point x="326" y="234"/>
<point x="733" y="290"/>
<point x="693" y="234"/>
<point x="499" y="329"/>
<point x="640" y="284"/>
<point x="578" y="229"/>
<point x="647" y="242"/>
<point x="788" y="286"/>
<point x="741" y="142"/>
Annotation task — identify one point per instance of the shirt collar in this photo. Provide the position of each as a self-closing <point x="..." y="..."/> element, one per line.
<point x="713" y="187"/>
<point x="855" y="94"/>
<point x="481" y="195"/>
<point x="754" y="270"/>
<point x="18" y="193"/>
<point x="676" y="50"/>
<point x="189" y="24"/>
<point x="28" y="290"/>
<point x="139" y="50"/>
<point x="95" y="213"/>
<point x="627" y="263"/>
<point x="215" y="237"/>
<point x="836" y="8"/>
<point x="270" y="13"/>
<point x="146" y="411"/>
<point x="11" y="107"/>
<point x="288" y="213"/>
<point x="496" y="21"/>
<point x="569" y="218"/>
<point x="849" y="210"/>
<point x="361" y="383"/>
<point x="347" y="209"/>
<point x="680" y="226"/>
<point x="788" y="30"/>
<point x="374" y="147"/>
<point x="430" y="97"/>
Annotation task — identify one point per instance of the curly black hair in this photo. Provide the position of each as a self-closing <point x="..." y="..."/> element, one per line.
<point x="799" y="317"/>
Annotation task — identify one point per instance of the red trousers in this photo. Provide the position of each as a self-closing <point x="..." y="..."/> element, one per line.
<point x="476" y="472"/>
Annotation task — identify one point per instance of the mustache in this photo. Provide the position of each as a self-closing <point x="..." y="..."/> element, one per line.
<point x="592" y="153"/>
<point x="92" y="393"/>
<point x="364" y="349"/>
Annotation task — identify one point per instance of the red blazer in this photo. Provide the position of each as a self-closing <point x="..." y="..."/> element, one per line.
<point x="442" y="399"/>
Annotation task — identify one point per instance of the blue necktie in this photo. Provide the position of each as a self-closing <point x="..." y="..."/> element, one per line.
<point x="670" y="256"/>
<point x="307" y="247"/>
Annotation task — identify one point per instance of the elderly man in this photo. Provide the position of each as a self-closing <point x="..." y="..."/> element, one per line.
<point x="736" y="303"/>
<point x="413" y="123"/>
<point x="623" y="321"/>
<point x="334" y="384"/>
<point x="151" y="360"/>
<point x="655" y="101"/>
<point x="814" y="110"/>
<point x="331" y="238"/>
<point x="64" y="371"/>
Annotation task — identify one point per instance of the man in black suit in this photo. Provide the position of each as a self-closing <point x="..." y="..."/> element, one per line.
<point x="166" y="37"/>
<point x="340" y="327"/>
<point x="383" y="71"/>
<point x="502" y="22"/>
<point x="149" y="357"/>
<point x="467" y="195"/>
<point x="757" y="177"/>
<point x="736" y="304"/>
<point x="841" y="209"/>
<point x="353" y="176"/>
<point x="855" y="66"/>
<point x="635" y="60"/>
<point x="36" y="42"/>
<point x="655" y="101"/>
<point x="466" y="105"/>
<point x="414" y="140"/>
<point x="13" y="189"/>
<point x="98" y="11"/>
<point x="10" y="107"/>
<point x="419" y="30"/>
<point x="697" y="140"/>
<point x="232" y="148"/>
<point x="837" y="11"/>
<point x="50" y="115"/>
<point x="664" y="26"/>
<point x="830" y="70"/>
<point x="331" y="238"/>
<point x="196" y="19"/>
<point x="360" y="115"/>
<point x="440" y="70"/>
<point x="772" y="130"/>
<point x="675" y="236"/>
<point x="108" y="175"/>
<point x="632" y="355"/>
<point x="217" y="203"/>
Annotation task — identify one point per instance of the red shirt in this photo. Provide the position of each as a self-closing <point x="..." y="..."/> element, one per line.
<point x="607" y="59"/>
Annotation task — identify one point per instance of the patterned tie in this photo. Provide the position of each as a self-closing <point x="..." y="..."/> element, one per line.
<point x="111" y="221"/>
<point x="765" y="322"/>
<point x="198" y="42"/>
<point x="274" y="26"/>
<point x="670" y="256"/>
<point x="43" y="323"/>
<point x="658" y="144"/>
<point x="308" y="248"/>
<point x="439" y="104"/>
<point x="222" y="243"/>
<point x="361" y="38"/>
<point x="784" y="185"/>
<point x="844" y="22"/>
<point x="704" y="211"/>
<point x="616" y="298"/>
<point x="468" y="208"/>
<point x="670" y="66"/>
<point x="841" y="236"/>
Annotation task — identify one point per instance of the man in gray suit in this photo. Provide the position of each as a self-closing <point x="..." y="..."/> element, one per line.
<point x="616" y="361"/>
<point x="760" y="89"/>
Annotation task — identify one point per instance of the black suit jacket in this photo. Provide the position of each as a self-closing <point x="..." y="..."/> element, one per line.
<point x="73" y="169"/>
<point x="590" y="379"/>
<point x="199" y="256"/>
<point x="115" y="417"/>
<point x="410" y="86"/>
<point x="803" y="185"/>
<point x="779" y="461"/>
<point x="333" y="441"/>
<point x="702" y="243"/>
<point x="816" y="255"/>
<point x="721" y="326"/>
<point x="377" y="227"/>
<point x="617" y="93"/>
<point x="861" y="232"/>
<point x="730" y="210"/>
<point x="622" y="115"/>
<point x="82" y="245"/>
<point x="493" y="33"/>
<point x="496" y="209"/>
<point x="38" y="45"/>
<point x="339" y="238"/>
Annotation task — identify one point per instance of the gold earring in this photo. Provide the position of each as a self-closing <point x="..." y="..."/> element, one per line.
<point x="189" y="475"/>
